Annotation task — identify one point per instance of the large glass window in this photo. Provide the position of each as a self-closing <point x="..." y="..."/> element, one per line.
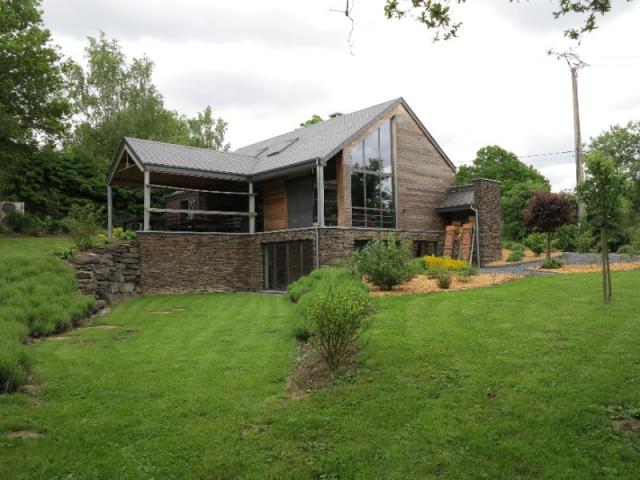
<point x="372" y="180"/>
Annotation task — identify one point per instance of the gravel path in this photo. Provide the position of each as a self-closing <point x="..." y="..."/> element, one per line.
<point x="568" y="258"/>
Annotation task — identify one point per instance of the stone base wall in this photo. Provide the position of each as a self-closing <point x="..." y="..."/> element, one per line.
<point x="227" y="262"/>
<point x="109" y="273"/>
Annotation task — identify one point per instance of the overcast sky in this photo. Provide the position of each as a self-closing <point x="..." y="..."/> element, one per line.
<point x="265" y="66"/>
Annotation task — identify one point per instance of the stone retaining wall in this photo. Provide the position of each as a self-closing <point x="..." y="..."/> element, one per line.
<point x="233" y="262"/>
<point x="109" y="273"/>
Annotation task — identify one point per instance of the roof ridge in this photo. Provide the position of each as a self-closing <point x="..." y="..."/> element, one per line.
<point x="191" y="147"/>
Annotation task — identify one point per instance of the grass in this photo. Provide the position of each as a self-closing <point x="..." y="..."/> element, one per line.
<point x="514" y="381"/>
<point x="31" y="247"/>
<point x="38" y="296"/>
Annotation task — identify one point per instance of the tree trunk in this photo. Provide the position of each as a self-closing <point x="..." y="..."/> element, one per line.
<point x="548" y="247"/>
<point x="606" y="276"/>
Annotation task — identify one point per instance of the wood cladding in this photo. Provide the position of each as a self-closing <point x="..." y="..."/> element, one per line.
<point x="275" y="204"/>
<point x="422" y="176"/>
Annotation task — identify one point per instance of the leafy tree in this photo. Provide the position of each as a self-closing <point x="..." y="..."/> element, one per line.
<point x="546" y="211"/>
<point x="602" y="192"/>
<point x="32" y="102"/>
<point x="436" y="14"/>
<point x="622" y="144"/>
<point x="113" y="98"/>
<point x="518" y="183"/>
<point x="312" y="121"/>
<point x="32" y="83"/>
<point x="208" y="132"/>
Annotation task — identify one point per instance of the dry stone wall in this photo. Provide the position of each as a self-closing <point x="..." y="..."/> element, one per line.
<point x="109" y="273"/>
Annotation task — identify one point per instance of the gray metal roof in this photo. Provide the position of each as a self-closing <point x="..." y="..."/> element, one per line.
<point x="319" y="141"/>
<point x="160" y="154"/>
<point x="298" y="147"/>
<point x="457" y="200"/>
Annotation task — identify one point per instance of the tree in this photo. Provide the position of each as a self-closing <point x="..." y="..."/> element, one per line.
<point x="312" y="121"/>
<point x="33" y="107"/>
<point x="546" y="211"/>
<point x="113" y="98"/>
<point x="436" y="14"/>
<point x="622" y="144"/>
<point x="602" y="192"/>
<point x="518" y="182"/>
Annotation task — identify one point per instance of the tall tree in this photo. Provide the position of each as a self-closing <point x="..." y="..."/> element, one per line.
<point x="437" y="15"/>
<point x="602" y="191"/>
<point x="518" y="183"/>
<point x="113" y="98"/>
<point x="622" y="144"/>
<point x="33" y="107"/>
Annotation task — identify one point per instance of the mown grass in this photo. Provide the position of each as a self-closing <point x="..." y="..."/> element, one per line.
<point x="514" y="381"/>
<point x="38" y="296"/>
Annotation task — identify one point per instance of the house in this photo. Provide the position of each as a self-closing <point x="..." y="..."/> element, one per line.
<point x="260" y="217"/>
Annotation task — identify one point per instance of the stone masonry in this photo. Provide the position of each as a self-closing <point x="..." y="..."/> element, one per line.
<point x="109" y="273"/>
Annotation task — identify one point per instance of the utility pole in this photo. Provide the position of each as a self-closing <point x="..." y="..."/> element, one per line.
<point x="575" y="63"/>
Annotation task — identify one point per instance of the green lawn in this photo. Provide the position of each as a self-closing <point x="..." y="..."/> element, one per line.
<point x="31" y="246"/>
<point x="515" y="381"/>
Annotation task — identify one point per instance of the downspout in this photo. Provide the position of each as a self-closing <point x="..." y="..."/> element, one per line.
<point x="317" y="219"/>
<point x="477" y="214"/>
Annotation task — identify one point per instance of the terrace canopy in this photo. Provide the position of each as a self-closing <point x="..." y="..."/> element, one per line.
<point x="149" y="164"/>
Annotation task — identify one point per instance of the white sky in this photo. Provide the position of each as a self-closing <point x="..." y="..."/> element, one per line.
<point x="265" y="66"/>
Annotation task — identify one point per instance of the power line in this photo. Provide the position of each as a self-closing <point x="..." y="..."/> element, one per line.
<point x="546" y="154"/>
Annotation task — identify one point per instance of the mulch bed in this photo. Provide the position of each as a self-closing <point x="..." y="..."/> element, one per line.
<point x="529" y="256"/>
<point x="310" y="372"/>
<point x="423" y="284"/>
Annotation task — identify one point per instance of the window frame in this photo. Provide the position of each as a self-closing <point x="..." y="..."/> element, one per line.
<point x="379" y="213"/>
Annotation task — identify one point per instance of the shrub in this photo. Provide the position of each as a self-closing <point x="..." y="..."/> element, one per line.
<point x="14" y="362"/>
<point x="119" y="232"/>
<point x="19" y="222"/>
<point x="551" y="263"/>
<point x="338" y="316"/>
<point x="515" y="256"/>
<point x="320" y="278"/>
<point x="443" y="280"/>
<point x="83" y="224"/>
<point x="572" y="238"/>
<point x="444" y="263"/>
<point x="632" y="250"/>
<point x="64" y="253"/>
<point x="535" y="242"/>
<point x="385" y="263"/>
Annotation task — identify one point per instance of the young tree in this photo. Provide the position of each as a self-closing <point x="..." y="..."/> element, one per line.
<point x="601" y="192"/>
<point x="546" y="212"/>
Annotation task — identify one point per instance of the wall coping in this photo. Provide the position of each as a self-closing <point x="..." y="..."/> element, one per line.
<point x="288" y="230"/>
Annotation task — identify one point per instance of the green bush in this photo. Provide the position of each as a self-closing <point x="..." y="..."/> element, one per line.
<point x="14" y="362"/>
<point x="83" y="224"/>
<point x="19" y="222"/>
<point x="385" y="263"/>
<point x="515" y="256"/>
<point x="551" y="264"/>
<point x="572" y="238"/>
<point x="443" y="280"/>
<point x="64" y="253"/>
<point x="338" y="315"/>
<point x="320" y="278"/>
<point x="536" y="242"/>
